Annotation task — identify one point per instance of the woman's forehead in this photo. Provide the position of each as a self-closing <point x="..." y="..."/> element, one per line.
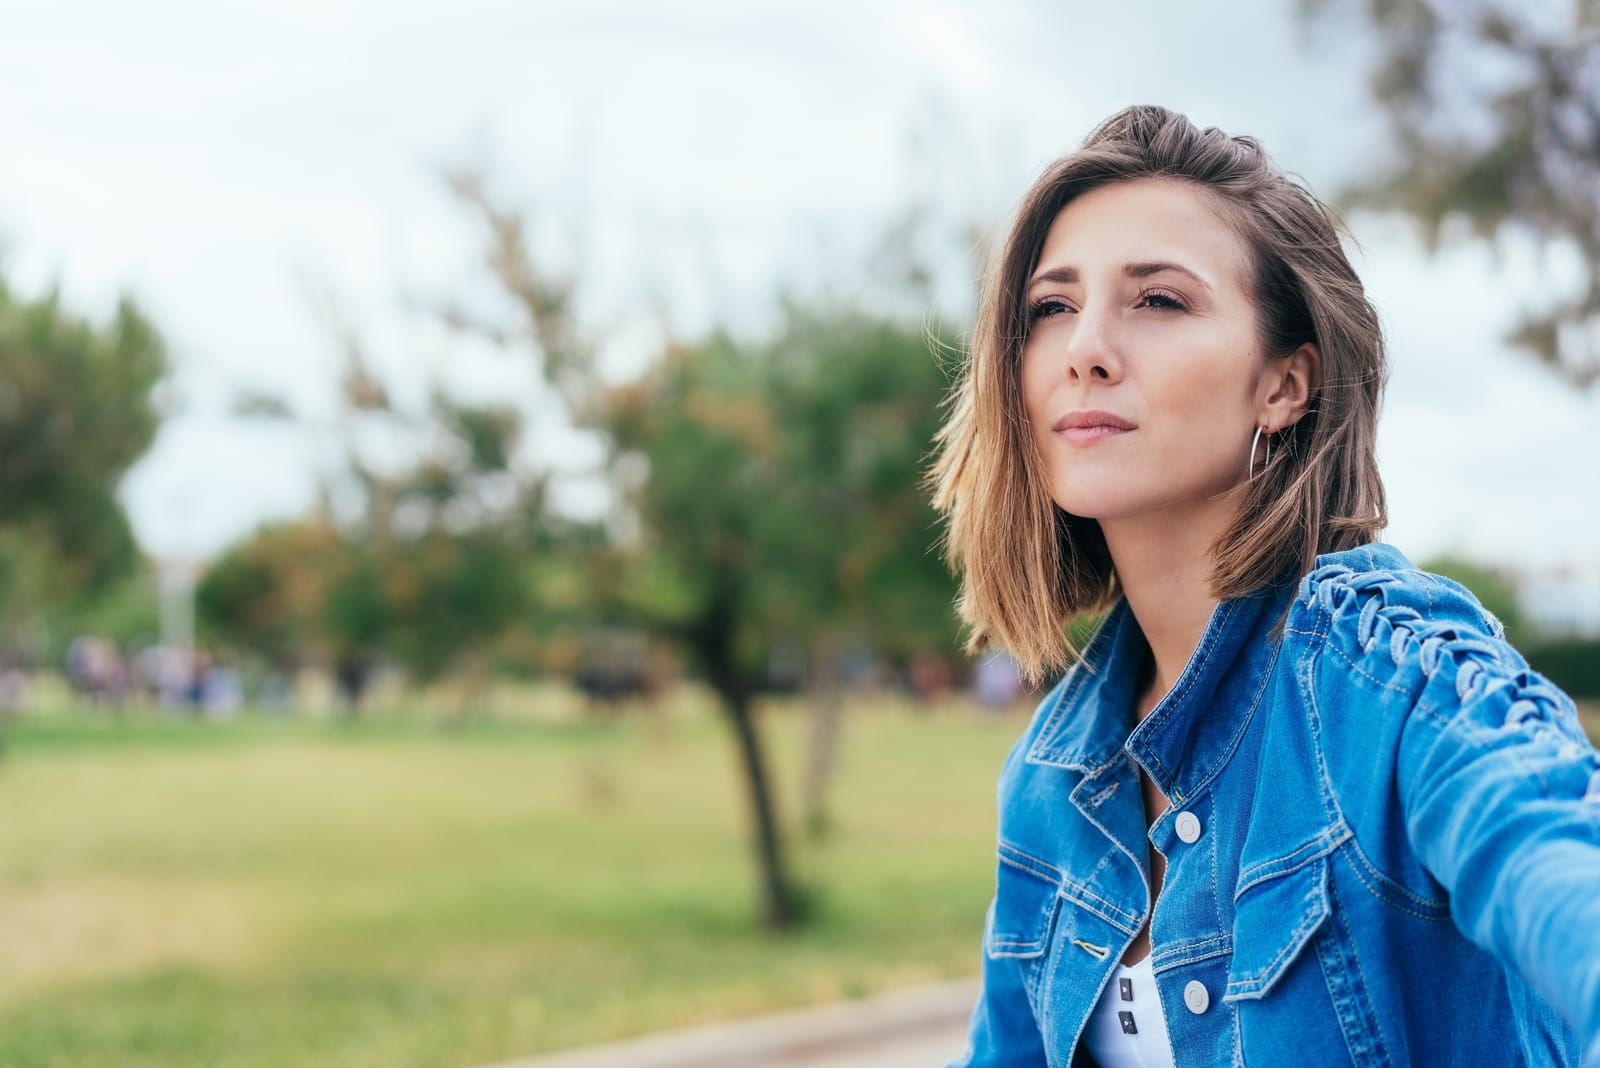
<point x="1152" y="220"/>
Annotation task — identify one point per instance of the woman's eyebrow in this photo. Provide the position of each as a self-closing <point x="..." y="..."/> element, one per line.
<point x="1145" y="270"/>
<point x="1060" y="275"/>
<point x="1069" y="275"/>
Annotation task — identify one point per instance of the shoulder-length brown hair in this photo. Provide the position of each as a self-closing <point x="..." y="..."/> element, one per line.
<point x="1027" y="567"/>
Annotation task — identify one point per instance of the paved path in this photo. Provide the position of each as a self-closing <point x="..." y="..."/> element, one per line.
<point x="924" y="1027"/>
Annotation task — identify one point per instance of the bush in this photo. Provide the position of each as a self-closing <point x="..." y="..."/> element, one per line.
<point x="1571" y="663"/>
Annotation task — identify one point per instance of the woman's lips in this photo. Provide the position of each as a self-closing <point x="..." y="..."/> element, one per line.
<point x="1086" y="428"/>
<point x="1088" y="435"/>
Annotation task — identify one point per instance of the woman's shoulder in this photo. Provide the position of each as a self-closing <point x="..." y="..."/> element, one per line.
<point x="1375" y="634"/>
<point x="1348" y="594"/>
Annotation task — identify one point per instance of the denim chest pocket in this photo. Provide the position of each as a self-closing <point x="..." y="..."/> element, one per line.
<point x="1276" y="913"/>
<point x="1026" y="901"/>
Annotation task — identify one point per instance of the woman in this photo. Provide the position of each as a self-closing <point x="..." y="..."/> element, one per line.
<point x="1297" y="802"/>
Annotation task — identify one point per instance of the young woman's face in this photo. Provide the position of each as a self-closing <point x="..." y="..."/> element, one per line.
<point x="1142" y="371"/>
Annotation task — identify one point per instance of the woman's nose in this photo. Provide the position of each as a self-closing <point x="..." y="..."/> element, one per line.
<point x="1091" y="350"/>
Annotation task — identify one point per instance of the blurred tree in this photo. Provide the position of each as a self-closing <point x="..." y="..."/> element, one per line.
<point x="851" y="533"/>
<point x="429" y="571"/>
<point x="763" y="493"/>
<point x="783" y="503"/>
<point x="1495" y="111"/>
<point x="267" y="594"/>
<point x="77" y="408"/>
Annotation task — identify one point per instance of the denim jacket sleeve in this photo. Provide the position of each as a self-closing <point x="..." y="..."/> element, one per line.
<point x="1499" y="787"/>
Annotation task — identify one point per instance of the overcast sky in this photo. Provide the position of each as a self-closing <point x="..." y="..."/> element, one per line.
<point x="227" y="162"/>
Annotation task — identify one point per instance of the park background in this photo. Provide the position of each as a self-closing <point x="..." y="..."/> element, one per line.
<point x="464" y="585"/>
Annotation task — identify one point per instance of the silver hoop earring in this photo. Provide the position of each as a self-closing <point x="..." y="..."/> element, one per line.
<point x="1250" y="468"/>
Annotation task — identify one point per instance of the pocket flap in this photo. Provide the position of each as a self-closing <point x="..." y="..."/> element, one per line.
<point x="1273" y="921"/>
<point x="1025" y="900"/>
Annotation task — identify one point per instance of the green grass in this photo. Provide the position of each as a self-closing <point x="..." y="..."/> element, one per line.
<point x="288" y="893"/>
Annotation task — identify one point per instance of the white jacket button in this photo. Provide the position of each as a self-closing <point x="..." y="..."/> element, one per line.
<point x="1195" y="997"/>
<point x="1188" y="827"/>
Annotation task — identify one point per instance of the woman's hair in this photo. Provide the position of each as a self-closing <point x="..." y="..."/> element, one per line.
<point x="1026" y="566"/>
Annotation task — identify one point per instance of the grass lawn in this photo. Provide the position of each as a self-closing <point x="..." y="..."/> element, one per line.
<point x="291" y="893"/>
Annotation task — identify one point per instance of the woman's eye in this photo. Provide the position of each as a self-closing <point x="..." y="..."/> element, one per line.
<point x="1043" y="309"/>
<point x="1163" y="299"/>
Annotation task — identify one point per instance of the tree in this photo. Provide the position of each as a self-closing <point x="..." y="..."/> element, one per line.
<point x="77" y="408"/>
<point x="783" y="502"/>
<point x="266" y="593"/>
<point x="859" y="399"/>
<point x="429" y="570"/>
<point x="763" y="492"/>
<point x="1495" y="111"/>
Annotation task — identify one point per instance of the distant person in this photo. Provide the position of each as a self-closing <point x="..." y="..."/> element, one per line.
<point x="928" y="679"/>
<point x="13" y="689"/>
<point x="996" y="682"/>
<point x="1297" y="803"/>
<point x="96" y="671"/>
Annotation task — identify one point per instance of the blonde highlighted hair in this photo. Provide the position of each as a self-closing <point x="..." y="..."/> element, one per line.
<point x="1025" y="566"/>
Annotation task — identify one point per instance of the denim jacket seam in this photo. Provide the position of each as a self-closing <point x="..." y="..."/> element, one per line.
<point x="1373" y="1022"/>
<point x="1096" y="905"/>
<point x="1216" y="898"/>
<point x="1057" y="710"/>
<point x="1363" y="672"/>
<point x="1289" y="863"/>
<point x="1240" y="729"/>
<point x="1046" y="871"/>
<point x="1194" y="670"/>
<point x="1313" y="711"/>
<point x="1366" y="872"/>
<point x="1292" y="945"/>
<point x="1192" y="952"/>
<point x="1106" y="857"/>
<point x="1066" y="887"/>
<point x="1362" y="860"/>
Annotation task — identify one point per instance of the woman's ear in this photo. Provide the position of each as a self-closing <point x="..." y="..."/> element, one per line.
<point x="1290" y="384"/>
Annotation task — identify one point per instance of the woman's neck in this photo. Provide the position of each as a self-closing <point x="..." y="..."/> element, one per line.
<point x="1164" y="568"/>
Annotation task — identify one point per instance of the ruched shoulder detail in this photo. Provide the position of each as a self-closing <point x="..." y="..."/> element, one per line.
<point x="1426" y="637"/>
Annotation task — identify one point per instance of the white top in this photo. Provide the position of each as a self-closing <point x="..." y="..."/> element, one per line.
<point x="1137" y="1039"/>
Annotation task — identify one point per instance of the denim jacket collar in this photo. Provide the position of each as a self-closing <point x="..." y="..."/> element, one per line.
<point x="1187" y="738"/>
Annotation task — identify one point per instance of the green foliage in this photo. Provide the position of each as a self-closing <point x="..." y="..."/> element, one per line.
<point x="1494" y="112"/>
<point x="453" y="594"/>
<point x="430" y="574"/>
<point x="786" y="474"/>
<point x="77" y="408"/>
<point x="858" y="400"/>
<point x="1571" y="663"/>
<point x="269" y="594"/>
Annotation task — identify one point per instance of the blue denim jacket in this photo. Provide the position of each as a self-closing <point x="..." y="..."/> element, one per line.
<point x="1392" y="855"/>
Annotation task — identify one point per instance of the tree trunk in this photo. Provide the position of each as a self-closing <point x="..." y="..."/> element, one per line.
<point x="712" y="637"/>
<point x="777" y="894"/>
<point x="824" y="707"/>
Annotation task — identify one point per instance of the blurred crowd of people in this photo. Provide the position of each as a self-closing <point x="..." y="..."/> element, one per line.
<point x="103" y="677"/>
